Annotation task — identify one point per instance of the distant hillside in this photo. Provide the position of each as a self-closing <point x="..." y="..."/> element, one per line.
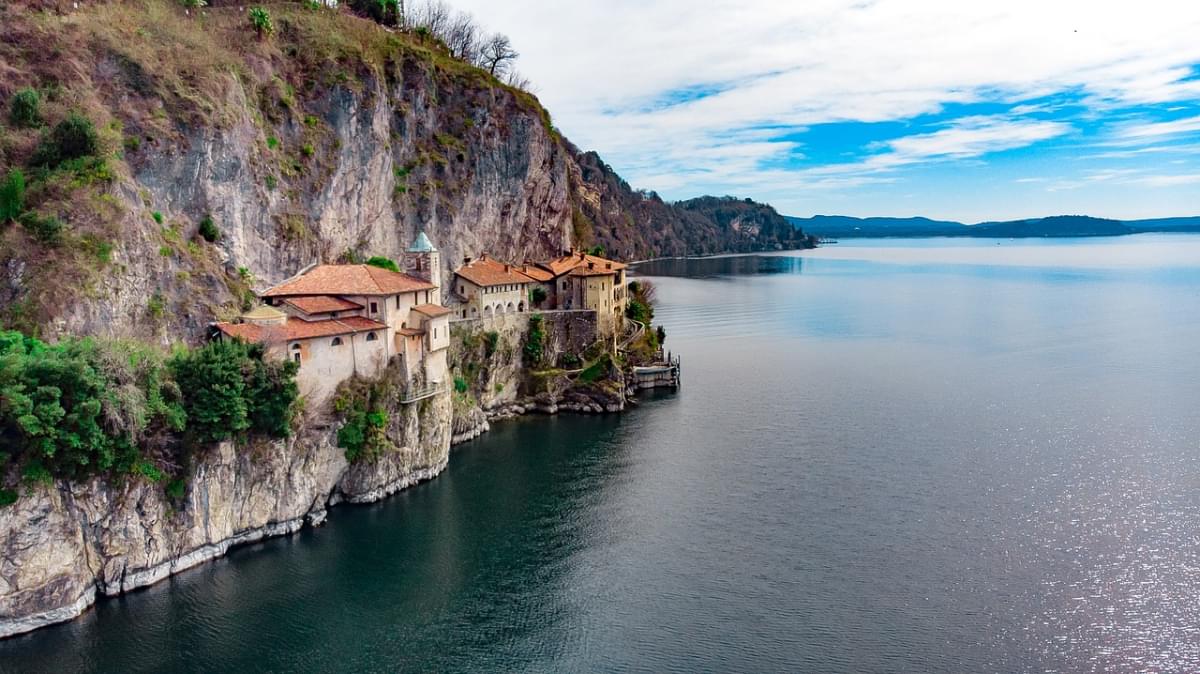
<point x="636" y="224"/>
<point x="841" y="226"/>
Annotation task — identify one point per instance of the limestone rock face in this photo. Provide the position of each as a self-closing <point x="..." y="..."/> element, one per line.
<point x="62" y="544"/>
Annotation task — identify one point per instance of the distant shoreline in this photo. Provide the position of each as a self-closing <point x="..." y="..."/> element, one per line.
<point x="1060" y="226"/>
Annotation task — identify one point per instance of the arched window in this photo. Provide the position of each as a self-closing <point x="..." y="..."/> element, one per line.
<point x="372" y="336"/>
<point x="296" y="346"/>
<point x="337" y="341"/>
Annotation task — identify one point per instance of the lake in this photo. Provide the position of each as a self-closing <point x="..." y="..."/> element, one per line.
<point x="901" y="455"/>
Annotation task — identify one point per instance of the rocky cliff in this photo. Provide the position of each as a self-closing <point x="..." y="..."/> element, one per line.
<point x="64" y="544"/>
<point x="330" y="139"/>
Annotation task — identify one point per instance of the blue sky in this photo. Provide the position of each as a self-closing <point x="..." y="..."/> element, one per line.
<point x="950" y="109"/>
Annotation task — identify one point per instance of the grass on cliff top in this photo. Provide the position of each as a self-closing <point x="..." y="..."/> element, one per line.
<point x="187" y="62"/>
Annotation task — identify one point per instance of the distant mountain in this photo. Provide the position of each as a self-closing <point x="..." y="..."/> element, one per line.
<point x="841" y="226"/>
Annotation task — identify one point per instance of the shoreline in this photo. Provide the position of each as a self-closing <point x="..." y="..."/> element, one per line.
<point x="315" y="515"/>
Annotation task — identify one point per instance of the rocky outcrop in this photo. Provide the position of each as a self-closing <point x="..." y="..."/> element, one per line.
<point x="65" y="544"/>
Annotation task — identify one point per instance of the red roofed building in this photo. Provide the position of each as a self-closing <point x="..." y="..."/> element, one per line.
<point x="579" y="280"/>
<point x="489" y="287"/>
<point x="338" y="321"/>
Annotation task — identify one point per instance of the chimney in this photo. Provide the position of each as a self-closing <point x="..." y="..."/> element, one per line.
<point x="466" y="260"/>
<point x="506" y="268"/>
<point x="582" y="255"/>
<point x="591" y="265"/>
<point x="608" y="265"/>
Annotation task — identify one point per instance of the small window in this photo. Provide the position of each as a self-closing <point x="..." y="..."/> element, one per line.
<point x="374" y="307"/>
<point x="397" y="301"/>
<point x="296" y="357"/>
<point x="337" y="341"/>
<point x="372" y="336"/>
<point x="435" y="333"/>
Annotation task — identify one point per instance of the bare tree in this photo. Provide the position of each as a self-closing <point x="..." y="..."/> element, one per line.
<point x="497" y="54"/>
<point x="433" y="16"/>
<point x="516" y="80"/>
<point x="462" y="36"/>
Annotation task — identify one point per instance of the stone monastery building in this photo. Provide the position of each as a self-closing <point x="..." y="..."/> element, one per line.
<point x="338" y="320"/>
<point x="341" y="320"/>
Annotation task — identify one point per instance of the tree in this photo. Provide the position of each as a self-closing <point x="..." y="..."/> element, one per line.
<point x="537" y="295"/>
<point x="497" y="54"/>
<point x="25" y="108"/>
<point x="260" y="19"/>
<point x="383" y="263"/>
<point x="214" y="382"/>
<point x="462" y="38"/>
<point x="12" y="196"/>
<point x="72" y="138"/>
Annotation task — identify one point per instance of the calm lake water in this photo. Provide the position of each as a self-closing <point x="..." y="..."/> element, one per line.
<point x="921" y="455"/>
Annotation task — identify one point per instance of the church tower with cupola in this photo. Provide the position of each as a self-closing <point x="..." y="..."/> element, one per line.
<point x="423" y="261"/>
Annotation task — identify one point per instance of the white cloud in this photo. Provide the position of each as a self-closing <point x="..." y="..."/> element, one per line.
<point x="606" y="70"/>
<point x="1170" y="180"/>
<point x="1158" y="130"/>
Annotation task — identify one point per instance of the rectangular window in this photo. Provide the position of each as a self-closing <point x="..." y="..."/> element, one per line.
<point x="374" y="307"/>
<point x="397" y="301"/>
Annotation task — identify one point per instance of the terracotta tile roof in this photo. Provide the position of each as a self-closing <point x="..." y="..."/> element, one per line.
<point x="348" y="279"/>
<point x="562" y="265"/>
<point x="537" y="273"/>
<point x="322" y="304"/>
<point x="431" y="310"/>
<point x="584" y="271"/>
<point x="488" y="272"/>
<point x="298" y="328"/>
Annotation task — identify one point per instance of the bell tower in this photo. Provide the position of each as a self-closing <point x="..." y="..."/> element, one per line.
<point x="423" y="261"/>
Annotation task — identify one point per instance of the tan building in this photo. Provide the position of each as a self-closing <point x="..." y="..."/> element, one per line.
<point x="338" y="321"/>
<point x="488" y="287"/>
<point x="578" y="280"/>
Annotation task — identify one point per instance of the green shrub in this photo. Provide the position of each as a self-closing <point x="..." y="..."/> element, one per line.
<point x="271" y="181"/>
<point x="176" y="489"/>
<point x="232" y="389"/>
<point x="72" y="138"/>
<point x="208" y="229"/>
<point x="537" y="295"/>
<point x="24" y="110"/>
<point x="460" y="385"/>
<point x="596" y="370"/>
<point x="311" y="120"/>
<point x="363" y="433"/>
<point x="47" y="229"/>
<point x="12" y="196"/>
<point x="490" y="339"/>
<point x="307" y="150"/>
<point x="534" y="341"/>
<point x="272" y="142"/>
<point x="156" y="306"/>
<point x="79" y="407"/>
<point x="132" y="143"/>
<point x="7" y="497"/>
<point x="260" y="20"/>
<point x="383" y="263"/>
<point x="158" y="217"/>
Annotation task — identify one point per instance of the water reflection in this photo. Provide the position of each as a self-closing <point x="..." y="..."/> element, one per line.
<point x="714" y="267"/>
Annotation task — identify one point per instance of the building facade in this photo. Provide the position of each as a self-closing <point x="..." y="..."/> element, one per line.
<point x="486" y="287"/>
<point x="339" y="321"/>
